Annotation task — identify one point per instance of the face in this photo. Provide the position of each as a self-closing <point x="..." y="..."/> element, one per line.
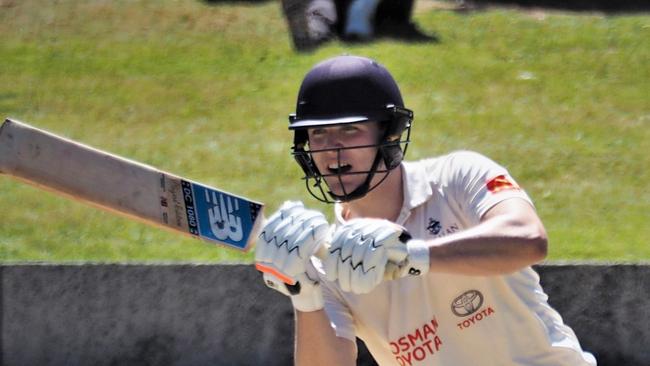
<point x="341" y="156"/>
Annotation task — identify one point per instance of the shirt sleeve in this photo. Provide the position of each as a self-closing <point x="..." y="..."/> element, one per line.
<point x="478" y="183"/>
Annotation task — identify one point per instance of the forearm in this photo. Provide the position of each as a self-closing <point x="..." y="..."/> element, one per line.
<point x="290" y="261"/>
<point x="503" y="243"/>
<point x="317" y="344"/>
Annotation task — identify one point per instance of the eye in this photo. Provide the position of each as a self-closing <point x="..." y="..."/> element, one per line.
<point x="316" y="132"/>
<point x="350" y="129"/>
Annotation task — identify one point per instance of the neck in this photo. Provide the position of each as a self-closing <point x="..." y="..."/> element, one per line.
<point x="383" y="202"/>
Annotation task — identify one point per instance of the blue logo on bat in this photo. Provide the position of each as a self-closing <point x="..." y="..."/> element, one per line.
<point x="222" y="217"/>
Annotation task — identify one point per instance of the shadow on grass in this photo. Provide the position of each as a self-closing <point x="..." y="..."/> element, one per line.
<point x="606" y="6"/>
<point x="210" y="2"/>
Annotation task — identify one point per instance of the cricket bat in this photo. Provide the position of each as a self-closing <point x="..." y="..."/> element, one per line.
<point x="127" y="187"/>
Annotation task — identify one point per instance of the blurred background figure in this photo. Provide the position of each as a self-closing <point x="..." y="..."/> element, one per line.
<point x="314" y="22"/>
<point x="311" y="22"/>
<point x="385" y="19"/>
<point x="359" y="22"/>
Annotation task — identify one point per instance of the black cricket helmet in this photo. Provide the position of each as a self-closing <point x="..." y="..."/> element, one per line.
<point x="343" y="90"/>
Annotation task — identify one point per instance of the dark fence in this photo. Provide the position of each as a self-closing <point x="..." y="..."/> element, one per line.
<point x="182" y="314"/>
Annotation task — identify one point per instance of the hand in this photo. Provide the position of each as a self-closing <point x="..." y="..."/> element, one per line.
<point x="287" y="241"/>
<point x="364" y="252"/>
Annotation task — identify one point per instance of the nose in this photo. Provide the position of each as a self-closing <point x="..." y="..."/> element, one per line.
<point x="334" y="140"/>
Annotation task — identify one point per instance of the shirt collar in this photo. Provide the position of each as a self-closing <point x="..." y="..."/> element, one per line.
<point x="417" y="189"/>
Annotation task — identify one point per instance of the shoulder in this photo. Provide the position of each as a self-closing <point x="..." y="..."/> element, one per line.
<point x="456" y="162"/>
<point x="454" y="157"/>
<point x="465" y="157"/>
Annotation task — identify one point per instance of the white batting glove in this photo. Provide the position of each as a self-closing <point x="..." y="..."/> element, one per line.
<point x="364" y="252"/>
<point x="284" y="248"/>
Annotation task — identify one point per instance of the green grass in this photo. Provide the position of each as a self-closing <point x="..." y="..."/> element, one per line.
<point x="204" y="90"/>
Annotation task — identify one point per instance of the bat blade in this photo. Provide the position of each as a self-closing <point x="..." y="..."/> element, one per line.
<point x="127" y="187"/>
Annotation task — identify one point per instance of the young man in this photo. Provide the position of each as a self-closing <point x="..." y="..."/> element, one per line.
<point x="429" y="261"/>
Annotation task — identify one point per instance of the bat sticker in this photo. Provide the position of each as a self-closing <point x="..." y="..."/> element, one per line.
<point x="221" y="217"/>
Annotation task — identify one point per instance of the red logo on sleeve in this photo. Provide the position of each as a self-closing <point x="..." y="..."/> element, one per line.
<point x="501" y="183"/>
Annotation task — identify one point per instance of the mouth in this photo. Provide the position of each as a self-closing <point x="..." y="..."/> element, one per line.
<point x="339" y="168"/>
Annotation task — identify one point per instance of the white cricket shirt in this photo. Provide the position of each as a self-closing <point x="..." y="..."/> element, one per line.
<point x="447" y="319"/>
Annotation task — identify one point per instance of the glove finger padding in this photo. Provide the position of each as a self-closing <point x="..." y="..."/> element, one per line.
<point x="356" y="262"/>
<point x="290" y="237"/>
<point x="344" y="266"/>
<point x="287" y="241"/>
<point x="294" y="245"/>
<point x="389" y="236"/>
<point x="373" y="266"/>
<point x="306" y="241"/>
<point x="265" y="253"/>
<point x="335" y="255"/>
<point x="330" y="263"/>
<point x="360" y="251"/>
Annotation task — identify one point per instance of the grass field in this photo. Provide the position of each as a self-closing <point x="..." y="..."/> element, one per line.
<point x="561" y="99"/>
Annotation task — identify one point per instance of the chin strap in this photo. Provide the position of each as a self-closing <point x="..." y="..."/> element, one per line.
<point x="364" y="188"/>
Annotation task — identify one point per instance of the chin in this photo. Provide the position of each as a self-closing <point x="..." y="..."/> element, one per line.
<point x="337" y="189"/>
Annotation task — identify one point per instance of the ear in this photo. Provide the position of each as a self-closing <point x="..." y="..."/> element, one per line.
<point x="303" y="158"/>
<point x="392" y="155"/>
<point x="306" y="163"/>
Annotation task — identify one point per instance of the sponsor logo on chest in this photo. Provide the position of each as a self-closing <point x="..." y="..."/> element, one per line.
<point x="469" y="305"/>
